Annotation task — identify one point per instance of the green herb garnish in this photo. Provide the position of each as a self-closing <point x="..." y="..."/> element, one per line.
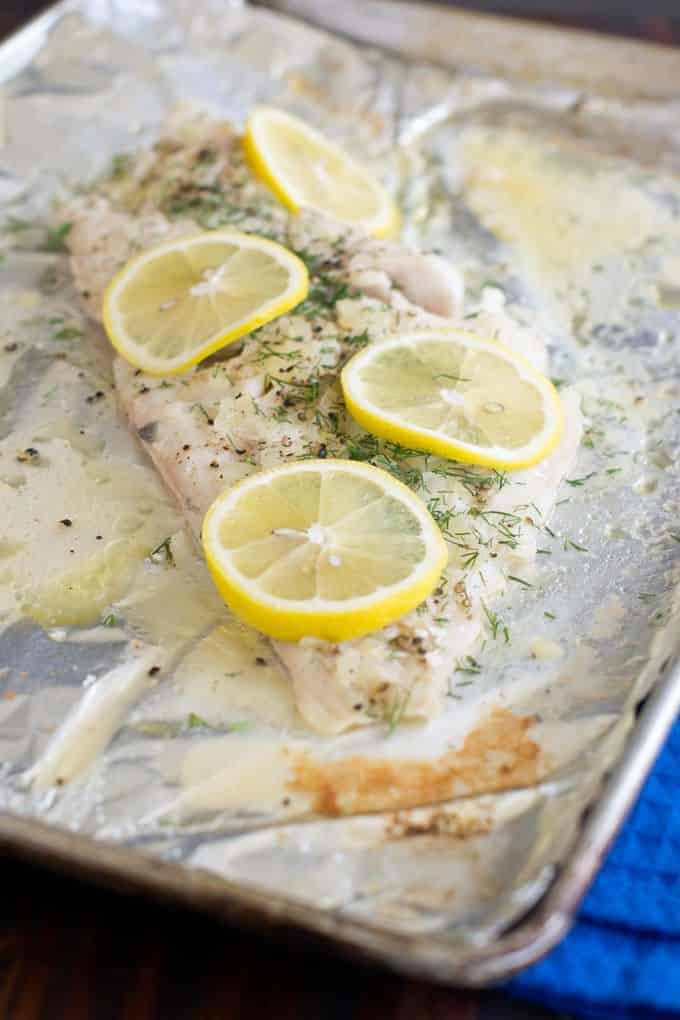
<point x="163" y="553"/>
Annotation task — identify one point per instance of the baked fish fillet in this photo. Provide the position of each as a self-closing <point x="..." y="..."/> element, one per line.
<point x="276" y="397"/>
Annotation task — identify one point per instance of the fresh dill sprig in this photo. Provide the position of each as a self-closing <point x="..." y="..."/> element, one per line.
<point x="358" y="340"/>
<point x="203" y="411"/>
<point x="570" y="544"/>
<point x="467" y="664"/>
<point x="396" y="712"/>
<point x="580" y="481"/>
<point x="496" y="623"/>
<point x="163" y="553"/>
<point x="306" y="392"/>
<point x="520" y="580"/>
<point x="55" y="240"/>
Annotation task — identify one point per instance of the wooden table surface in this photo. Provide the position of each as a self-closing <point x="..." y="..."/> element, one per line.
<point x="69" y="951"/>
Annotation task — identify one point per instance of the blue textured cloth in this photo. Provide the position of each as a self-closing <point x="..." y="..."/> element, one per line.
<point x="622" y="958"/>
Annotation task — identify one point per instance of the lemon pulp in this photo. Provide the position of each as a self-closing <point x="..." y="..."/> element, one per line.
<point x="457" y="395"/>
<point x="180" y="302"/>
<point x="327" y="549"/>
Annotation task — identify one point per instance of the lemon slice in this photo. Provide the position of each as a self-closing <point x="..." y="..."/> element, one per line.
<point x="329" y="549"/>
<point x="454" y="394"/>
<point x="304" y="169"/>
<point x="179" y="302"/>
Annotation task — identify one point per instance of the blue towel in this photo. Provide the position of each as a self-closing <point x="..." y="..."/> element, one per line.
<point x="622" y="957"/>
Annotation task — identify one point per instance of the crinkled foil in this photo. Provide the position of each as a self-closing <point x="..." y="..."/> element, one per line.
<point x="566" y="206"/>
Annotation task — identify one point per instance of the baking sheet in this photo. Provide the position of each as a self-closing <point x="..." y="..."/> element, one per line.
<point x="469" y="153"/>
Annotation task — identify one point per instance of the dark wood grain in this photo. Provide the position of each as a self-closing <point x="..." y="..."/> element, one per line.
<point x="69" y="951"/>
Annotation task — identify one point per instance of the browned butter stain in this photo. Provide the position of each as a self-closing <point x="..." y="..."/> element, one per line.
<point x="438" y="822"/>
<point x="497" y="755"/>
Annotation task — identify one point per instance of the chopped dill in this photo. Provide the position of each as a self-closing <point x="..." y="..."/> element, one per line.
<point x="580" y="481"/>
<point x="453" y="378"/>
<point x="359" y="340"/>
<point x="570" y="544"/>
<point x="203" y="411"/>
<point x="307" y="392"/>
<point x="467" y="664"/>
<point x="240" y="726"/>
<point x="396" y="712"/>
<point x="591" y="435"/>
<point x="469" y="558"/>
<point x="67" y="333"/>
<point x="195" y="721"/>
<point x="205" y="204"/>
<point x="496" y="624"/>
<point x="441" y="514"/>
<point x="163" y="553"/>
<point x="520" y="580"/>
<point x="55" y="241"/>
<point x="506" y="524"/>
<point x="267" y="351"/>
<point x="120" y="164"/>
<point x="391" y="457"/>
<point x="472" y="481"/>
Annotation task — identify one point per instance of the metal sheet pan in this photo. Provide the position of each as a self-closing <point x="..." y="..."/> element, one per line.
<point x="136" y="65"/>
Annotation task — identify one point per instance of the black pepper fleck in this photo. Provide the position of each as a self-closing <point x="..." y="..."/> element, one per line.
<point x="30" y="455"/>
<point x="259" y="661"/>
<point x="67" y="522"/>
<point x="154" y="670"/>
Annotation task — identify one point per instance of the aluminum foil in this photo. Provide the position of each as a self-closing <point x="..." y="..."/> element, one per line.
<point x="563" y="204"/>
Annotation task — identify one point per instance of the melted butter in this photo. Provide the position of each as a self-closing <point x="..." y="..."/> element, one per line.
<point x="233" y="675"/>
<point x="95" y="718"/>
<point x="233" y="773"/>
<point x="544" y="649"/>
<point x="568" y="218"/>
<point x="80" y="512"/>
<point x="58" y="570"/>
<point x="172" y="602"/>
<point x="607" y="619"/>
